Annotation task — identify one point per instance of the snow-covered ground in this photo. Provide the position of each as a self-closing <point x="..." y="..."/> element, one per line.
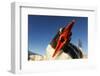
<point x="48" y="56"/>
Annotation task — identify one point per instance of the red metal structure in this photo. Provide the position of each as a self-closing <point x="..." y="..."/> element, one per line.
<point x="64" y="37"/>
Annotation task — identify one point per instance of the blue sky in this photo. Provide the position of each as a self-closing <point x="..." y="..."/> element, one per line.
<point x="42" y="29"/>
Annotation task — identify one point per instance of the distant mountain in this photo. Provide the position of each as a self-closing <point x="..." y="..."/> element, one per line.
<point x="31" y="53"/>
